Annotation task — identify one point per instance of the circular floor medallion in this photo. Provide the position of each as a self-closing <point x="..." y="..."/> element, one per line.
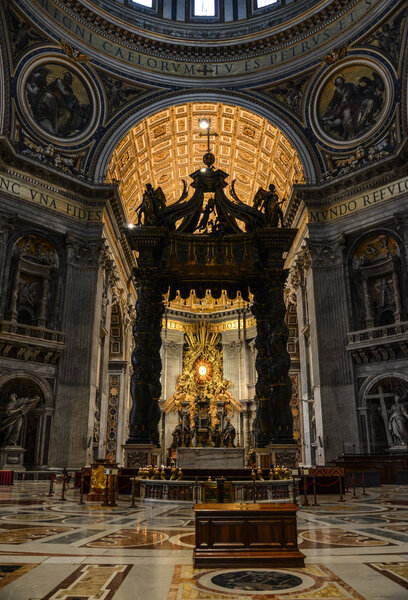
<point x="256" y="580"/>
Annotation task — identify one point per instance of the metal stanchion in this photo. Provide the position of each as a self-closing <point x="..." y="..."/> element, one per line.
<point x="294" y="491"/>
<point x="363" y="484"/>
<point x="64" y="480"/>
<point x="341" y="499"/>
<point x="220" y="490"/>
<point x="81" y="491"/>
<point x="305" y="501"/>
<point x="132" y="505"/>
<point x="353" y="483"/>
<point x="51" y="490"/>
<point x="254" y="488"/>
<point x="113" y="491"/>
<point x="314" y="492"/>
<point x="106" y="496"/>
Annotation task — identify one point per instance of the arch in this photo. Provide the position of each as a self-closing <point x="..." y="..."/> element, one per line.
<point x="39" y="381"/>
<point x="37" y="245"/>
<point x="2" y="92"/>
<point x="374" y="379"/>
<point x="376" y="230"/>
<point x="279" y="120"/>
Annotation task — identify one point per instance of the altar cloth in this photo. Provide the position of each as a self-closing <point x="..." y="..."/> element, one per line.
<point x="210" y="458"/>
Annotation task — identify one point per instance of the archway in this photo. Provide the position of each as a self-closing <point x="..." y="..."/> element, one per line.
<point x="158" y="153"/>
<point x="30" y="445"/>
<point x="270" y="114"/>
<point x="384" y="410"/>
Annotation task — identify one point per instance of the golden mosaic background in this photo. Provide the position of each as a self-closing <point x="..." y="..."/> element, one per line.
<point x="167" y="147"/>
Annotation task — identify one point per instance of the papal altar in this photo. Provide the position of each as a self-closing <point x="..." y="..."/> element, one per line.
<point x="210" y="458"/>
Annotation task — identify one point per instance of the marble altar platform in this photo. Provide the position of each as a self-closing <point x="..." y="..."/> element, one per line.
<point x="210" y="458"/>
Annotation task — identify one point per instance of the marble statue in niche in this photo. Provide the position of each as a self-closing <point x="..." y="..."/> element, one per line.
<point x="14" y="414"/>
<point x="34" y="282"/>
<point x="58" y="100"/>
<point x="398" y="422"/>
<point x="352" y="103"/>
<point x="377" y="283"/>
<point x="386" y="412"/>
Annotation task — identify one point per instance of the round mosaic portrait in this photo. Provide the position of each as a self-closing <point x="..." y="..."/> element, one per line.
<point x="352" y="102"/>
<point x="58" y="99"/>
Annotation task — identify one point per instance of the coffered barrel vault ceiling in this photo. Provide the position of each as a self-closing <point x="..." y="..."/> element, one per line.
<point x="167" y="147"/>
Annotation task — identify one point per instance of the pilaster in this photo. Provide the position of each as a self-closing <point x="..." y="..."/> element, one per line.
<point x="332" y="385"/>
<point x="72" y="427"/>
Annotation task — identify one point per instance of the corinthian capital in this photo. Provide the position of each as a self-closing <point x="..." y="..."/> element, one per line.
<point x="297" y="271"/>
<point x="326" y="253"/>
<point x="83" y="254"/>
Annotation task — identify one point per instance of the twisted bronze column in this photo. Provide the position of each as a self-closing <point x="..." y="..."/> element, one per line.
<point x="273" y="388"/>
<point x="145" y="386"/>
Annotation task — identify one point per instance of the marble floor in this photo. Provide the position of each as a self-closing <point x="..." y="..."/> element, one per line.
<point x="54" y="550"/>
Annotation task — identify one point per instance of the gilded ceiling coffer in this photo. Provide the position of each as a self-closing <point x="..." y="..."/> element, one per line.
<point x="211" y="243"/>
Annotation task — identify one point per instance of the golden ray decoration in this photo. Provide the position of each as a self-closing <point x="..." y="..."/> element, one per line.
<point x="203" y="351"/>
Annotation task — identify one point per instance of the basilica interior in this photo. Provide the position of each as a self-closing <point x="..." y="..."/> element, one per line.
<point x="203" y="298"/>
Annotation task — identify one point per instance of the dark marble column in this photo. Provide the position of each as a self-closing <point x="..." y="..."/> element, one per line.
<point x="145" y="386"/>
<point x="273" y="386"/>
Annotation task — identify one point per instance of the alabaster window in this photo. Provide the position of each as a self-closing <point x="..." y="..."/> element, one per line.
<point x="147" y="3"/>
<point x="263" y="3"/>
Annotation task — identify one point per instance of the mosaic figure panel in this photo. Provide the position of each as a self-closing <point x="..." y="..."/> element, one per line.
<point x="58" y="100"/>
<point x="351" y="102"/>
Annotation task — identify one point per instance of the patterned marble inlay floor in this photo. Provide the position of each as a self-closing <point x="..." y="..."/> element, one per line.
<point x="314" y="581"/>
<point x="53" y="550"/>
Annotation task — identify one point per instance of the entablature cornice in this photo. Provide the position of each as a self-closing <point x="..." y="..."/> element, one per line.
<point x="358" y="183"/>
<point x="66" y="196"/>
<point x="124" y="46"/>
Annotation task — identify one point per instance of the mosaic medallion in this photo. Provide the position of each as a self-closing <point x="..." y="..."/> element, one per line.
<point x="312" y="581"/>
<point x="256" y="580"/>
<point x="352" y="101"/>
<point x="58" y="99"/>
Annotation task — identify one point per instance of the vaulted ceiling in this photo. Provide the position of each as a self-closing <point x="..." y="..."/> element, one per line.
<point x="165" y="148"/>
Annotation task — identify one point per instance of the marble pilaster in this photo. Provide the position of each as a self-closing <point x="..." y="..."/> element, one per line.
<point x="332" y="369"/>
<point x="78" y="376"/>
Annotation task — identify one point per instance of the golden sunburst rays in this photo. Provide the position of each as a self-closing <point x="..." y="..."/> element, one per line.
<point x="202" y="374"/>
